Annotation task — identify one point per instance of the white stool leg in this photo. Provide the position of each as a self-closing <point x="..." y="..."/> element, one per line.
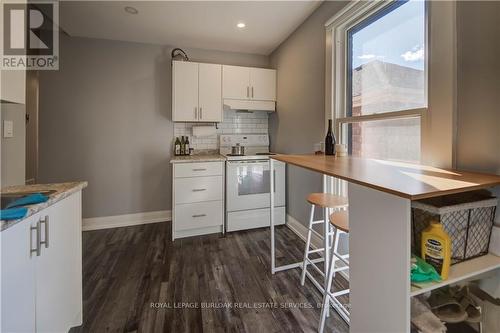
<point x="325" y="310"/>
<point x="308" y="244"/>
<point x="326" y="245"/>
<point x="336" y="237"/>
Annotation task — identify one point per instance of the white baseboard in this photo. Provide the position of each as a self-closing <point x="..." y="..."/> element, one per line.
<point x="301" y="230"/>
<point x="316" y="242"/>
<point x="117" y="221"/>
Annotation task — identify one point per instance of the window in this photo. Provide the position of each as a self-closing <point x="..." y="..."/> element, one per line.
<point x="385" y="82"/>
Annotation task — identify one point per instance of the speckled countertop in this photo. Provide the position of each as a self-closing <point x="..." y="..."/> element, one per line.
<point x="63" y="190"/>
<point x="211" y="157"/>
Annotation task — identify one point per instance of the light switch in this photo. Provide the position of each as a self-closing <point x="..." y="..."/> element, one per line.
<point x="8" y="129"/>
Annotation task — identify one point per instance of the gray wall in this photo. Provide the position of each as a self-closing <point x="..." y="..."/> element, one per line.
<point x="299" y="122"/>
<point x="12" y="160"/>
<point x="105" y="117"/>
<point x="478" y="86"/>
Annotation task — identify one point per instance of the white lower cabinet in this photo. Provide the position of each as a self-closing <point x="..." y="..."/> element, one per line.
<point x="42" y="290"/>
<point x="198" y="199"/>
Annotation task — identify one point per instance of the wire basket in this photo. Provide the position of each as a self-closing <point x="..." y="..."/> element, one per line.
<point x="466" y="217"/>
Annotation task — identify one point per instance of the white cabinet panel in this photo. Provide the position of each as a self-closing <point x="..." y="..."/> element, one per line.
<point x="263" y="84"/>
<point x="184" y="91"/>
<point x="210" y="92"/>
<point x="182" y="170"/>
<point x="18" y="277"/>
<point x="235" y="82"/>
<point x="198" y="215"/>
<point x="189" y="190"/>
<point x="57" y="269"/>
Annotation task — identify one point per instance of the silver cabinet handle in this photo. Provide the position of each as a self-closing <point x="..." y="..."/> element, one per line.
<point x="201" y="112"/>
<point x="199" y="215"/>
<point x="46" y="240"/>
<point x="195" y="112"/>
<point x="252" y="91"/>
<point x="199" y="189"/>
<point x="37" y="249"/>
<point x="200" y="169"/>
<point x="248" y="92"/>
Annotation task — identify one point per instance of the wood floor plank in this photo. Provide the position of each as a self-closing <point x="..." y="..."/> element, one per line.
<point x="135" y="279"/>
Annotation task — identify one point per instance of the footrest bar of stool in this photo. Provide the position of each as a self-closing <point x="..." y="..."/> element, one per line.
<point x="342" y="257"/>
<point x="318" y="221"/>
<point x="317" y="250"/>
<point x="315" y="283"/>
<point x="341" y="310"/>
<point x="316" y="267"/>
<point x="289" y="266"/>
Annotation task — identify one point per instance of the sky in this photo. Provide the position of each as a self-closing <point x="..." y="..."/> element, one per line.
<point x="397" y="37"/>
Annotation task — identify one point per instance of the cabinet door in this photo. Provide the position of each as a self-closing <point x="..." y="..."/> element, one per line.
<point x="184" y="91"/>
<point x="58" y="268"/>
<point x="263" y="84"/>
<point x="235" y="82"/>
<point x="210" y="92"/>
<point x="18" y="277"/>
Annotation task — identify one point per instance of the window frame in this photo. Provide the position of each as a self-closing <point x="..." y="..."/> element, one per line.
<point x="338" y="28"/>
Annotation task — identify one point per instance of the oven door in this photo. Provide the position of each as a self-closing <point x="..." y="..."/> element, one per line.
<point x="248" y="183"/>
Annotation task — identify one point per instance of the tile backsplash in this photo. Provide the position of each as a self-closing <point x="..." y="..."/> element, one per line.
<point x="234" y="123"/>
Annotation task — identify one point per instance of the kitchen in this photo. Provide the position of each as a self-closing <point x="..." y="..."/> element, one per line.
<point x="161" y="242"/>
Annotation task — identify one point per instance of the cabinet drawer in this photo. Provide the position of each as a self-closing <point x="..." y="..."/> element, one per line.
<point x="197" y="189"/>
<point x="198" y="215"/>
<point x="198" y="169"/>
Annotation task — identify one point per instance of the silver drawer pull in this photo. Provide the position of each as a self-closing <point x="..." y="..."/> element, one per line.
<point x="199" y="189"/>
<point x="46" y="240"/>
<point x="199" y="169"/>
<point x="37" y="249"/>
<point x="199" y="215"/>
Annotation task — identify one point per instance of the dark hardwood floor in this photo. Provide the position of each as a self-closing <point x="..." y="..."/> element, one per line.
<point x="135" y="279"/>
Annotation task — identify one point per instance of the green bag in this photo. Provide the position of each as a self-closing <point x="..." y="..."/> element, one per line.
<point x="422" y="271"/>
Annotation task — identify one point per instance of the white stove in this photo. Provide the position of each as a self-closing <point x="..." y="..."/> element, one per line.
<point x="256" y="146"/>
<point x="247" y="183"/>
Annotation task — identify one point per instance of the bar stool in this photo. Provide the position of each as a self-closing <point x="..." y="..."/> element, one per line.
<point x="327" y="202"/>
<point x="340" y="223"/>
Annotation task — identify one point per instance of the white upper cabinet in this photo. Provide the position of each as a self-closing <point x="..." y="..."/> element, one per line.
<point x="210" y="92"/>
<point x="263" y="84"/>
<point x="196" y="92"/>
<point x="248" y="83"/>
<point x="236" y="82"/>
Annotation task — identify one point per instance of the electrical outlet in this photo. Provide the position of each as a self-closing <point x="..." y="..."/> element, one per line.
<point x="8" y="129"/>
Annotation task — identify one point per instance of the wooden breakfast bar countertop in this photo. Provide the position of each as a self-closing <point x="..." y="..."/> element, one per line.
<point x="410" y="181"/>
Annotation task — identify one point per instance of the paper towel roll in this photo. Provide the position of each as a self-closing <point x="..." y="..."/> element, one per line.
<point x="200" y="131"/>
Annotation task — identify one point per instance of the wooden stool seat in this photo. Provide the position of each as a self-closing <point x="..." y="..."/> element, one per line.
<point x="327" y="200"/>
<point x="340" y="220"/>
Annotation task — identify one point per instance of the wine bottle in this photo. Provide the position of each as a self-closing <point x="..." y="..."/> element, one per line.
<point x="186" y="146"/>
<point x="177" y="146"/>
<point x="329" y="140"/>
<point x="183" y="151"/>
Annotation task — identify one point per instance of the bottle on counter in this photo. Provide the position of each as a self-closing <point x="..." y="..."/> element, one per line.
<point x="186" y="146"/>
<point x="183" y="146"/>
<point x="177" y="146"/>
<point x="330" y="140"/>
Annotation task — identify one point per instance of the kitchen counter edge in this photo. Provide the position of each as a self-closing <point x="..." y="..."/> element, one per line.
<point x="64" y="190"/>
<point x="198" y="158"/>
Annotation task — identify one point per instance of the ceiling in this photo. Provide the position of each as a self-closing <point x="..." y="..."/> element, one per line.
<point x="190" y="24"/>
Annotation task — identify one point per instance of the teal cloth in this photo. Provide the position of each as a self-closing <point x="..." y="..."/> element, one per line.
<point x="30" y="199"/>
<point x="13" y="213"/>
<point x="422" y="271"/>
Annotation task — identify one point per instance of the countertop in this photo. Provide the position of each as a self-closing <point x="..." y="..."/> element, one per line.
<point x="198" y="158"/>
<point x="63" y="190"/>
<point x="411" y="181"/>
